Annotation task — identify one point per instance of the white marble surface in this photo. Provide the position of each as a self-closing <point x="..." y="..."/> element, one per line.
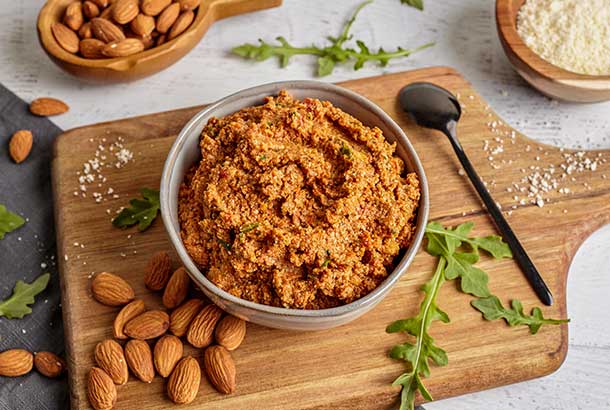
<point x="466" y="39"/>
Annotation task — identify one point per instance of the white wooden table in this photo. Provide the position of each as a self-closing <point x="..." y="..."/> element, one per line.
<point x="464" y="31"/>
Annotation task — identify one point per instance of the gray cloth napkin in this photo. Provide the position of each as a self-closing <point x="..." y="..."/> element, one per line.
<point x="27" y="253"/>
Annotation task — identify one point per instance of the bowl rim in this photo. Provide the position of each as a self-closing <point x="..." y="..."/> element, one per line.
<point x="509" y="36"/>
<point x="272" y="89"/>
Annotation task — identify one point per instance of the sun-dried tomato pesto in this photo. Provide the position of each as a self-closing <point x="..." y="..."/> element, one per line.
<point x="296" y="204"/>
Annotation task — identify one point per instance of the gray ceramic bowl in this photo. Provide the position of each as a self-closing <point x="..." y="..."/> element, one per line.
<point x="185" y="152"/>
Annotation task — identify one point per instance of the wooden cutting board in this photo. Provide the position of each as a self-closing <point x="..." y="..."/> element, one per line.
<point x="346" y="367"/>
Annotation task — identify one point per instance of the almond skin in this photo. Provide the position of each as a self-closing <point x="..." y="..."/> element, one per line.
<point x="142" y="25"/>
<point x="201" y="330"/>
<point x="177" y="289"/>
<point x="74" y="15"/>
<point x="102" y="4"/>
<point x="168" y="17"/>
<point x="49" y="364"/>
<point x="230" y="332"/>
<point x="140" y="360"/>
<point x="220" y="368"/>
<point x="91" y="48"/>
<point x="158" y="271"/>
<point x="148" y="325"/>
<point x="182" y="317"/>
<point x="154" y="7"/>
<point x="183" y="384"/>
<point x="15" y="362"/>
<point x="161" y="40"/>
<point x="85" y="31"/>
<point x="105" y="30"/>
<point x="20" y="145"/>
<point x="168" y="351"/>
<point x="101" y="391"/>
<point x="90" y="9"/>
<point x="129" y="311"/>
<point x="189" y="4"/>
<point x="123" y="11"/>
<point x="111" y="290"/>
<point x="46" y="106"/>
<point x="67" y="39"/>
<point x="110" y="357"/>
<point x="123" y="48"/>
<point x="183" y="21"/>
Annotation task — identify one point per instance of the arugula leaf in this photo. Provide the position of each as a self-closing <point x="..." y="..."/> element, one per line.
<point x="16" y="307"/>
<point x="418" y="354"/>
<point x="418" y="4"/>
<point x="472" y="279"/>
<point x="329" y="56"/>
<point x="493" y="244"/>
<point x="492" y="309"/>
<point x="9" y="221"/>
<point x="142" y="212"/>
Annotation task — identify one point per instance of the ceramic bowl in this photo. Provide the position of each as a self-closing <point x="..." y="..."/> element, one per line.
<point x="553" y="81"/>
<point x="185" y="152"/>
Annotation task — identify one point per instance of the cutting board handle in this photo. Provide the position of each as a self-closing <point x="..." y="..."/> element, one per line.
<point x="221" y="9"/>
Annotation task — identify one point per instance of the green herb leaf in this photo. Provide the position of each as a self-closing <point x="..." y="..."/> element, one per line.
<point x="224" y="244"/>
<point x="249" y="227"/>
<point x="9" y="221"/>
<point x="329" y="56"/>
<point x="492" y="309"/>
<point x="142" y="211"/>
<point x="16" y="306"/>
<point x="418" y="4"/>
<point x="418" y="354"/>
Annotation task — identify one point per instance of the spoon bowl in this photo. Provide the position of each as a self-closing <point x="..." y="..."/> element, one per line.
<point x="429" y="105"/>
<point x="122" y="69"/>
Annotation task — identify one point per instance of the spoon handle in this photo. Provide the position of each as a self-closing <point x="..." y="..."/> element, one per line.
<point x="509" y="236"/>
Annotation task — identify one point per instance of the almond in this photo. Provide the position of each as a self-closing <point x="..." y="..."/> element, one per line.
<point x="20" y="145"/>
<point x="160" y="40"/>
<point x="148" y="42"/>
<point x="177" y="289"/>
<point x="148" y="325"/>
<point x="129" y="311"/>
<point x="220" y="368"/>
<point x="123" y="48"/>
<point x="49" y="364"/>
<point x="45" y="107"/>
<point x="15" y="362"/>
<point x="92" y="48"/>
<point x="154" y="7"/>
<point x="73" y="17"/>
<point x="85" y="31"/>
<point x="111" y="290"/>
<point x="230" y="332"/>
<point x="101" y="392"/>
<point x="109" y="356"/>
<point x="183" y="384"/>
<point x="168" y="351"/>
<point x="183" y="21"/>
<point x="106" y="14"/>
<point x="158" y="271"/>
<point x="123" y="11"/>
<point x="201" y="330"/>
<point x="140" y="360"/>
<point x="189" y="4"/>
<point x="142" y="25"/>
<point x="101" y="3"/>
<point x="90" y="9"/>
<point x="168" y="17"/>
<point x="105" y="30"/>
<point x="67" y="39"/>
<point x="182" y="317"/>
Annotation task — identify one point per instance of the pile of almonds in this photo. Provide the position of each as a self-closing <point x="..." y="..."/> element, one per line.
<point x="203" y="326"/>
<point x="19" y="362"/>
<point x="118" y="28"/>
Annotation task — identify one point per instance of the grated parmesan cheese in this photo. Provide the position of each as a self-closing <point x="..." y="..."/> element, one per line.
<point x="571" y="34"/>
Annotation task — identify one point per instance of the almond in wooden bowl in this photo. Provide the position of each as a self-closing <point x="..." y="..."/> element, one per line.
<point x="185" y="24"/>
<point x="547" y="78"/>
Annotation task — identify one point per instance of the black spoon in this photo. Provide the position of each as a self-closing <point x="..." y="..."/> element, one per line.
<point x="434" y="107"/>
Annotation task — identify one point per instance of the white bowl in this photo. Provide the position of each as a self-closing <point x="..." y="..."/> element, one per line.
<point x="185" y="152"/>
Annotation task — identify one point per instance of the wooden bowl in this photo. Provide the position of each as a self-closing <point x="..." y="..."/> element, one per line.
<point x="113" y="70"/>
<point x="549" y="79"/>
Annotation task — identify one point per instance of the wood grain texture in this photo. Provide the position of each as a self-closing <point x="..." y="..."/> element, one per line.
<point x="345" y="367"/>
<point x="133" y="67"/>
<point x="542" y="75"/>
